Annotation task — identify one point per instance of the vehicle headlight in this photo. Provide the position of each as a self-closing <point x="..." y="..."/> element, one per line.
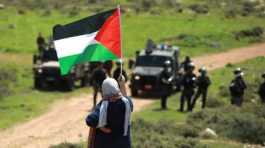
<point x="40" y="71"/>
<point x="137" y="77"/>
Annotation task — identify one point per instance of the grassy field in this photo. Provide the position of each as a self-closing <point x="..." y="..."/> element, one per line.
<point x="221" y="79"/>
<point x="23" y="102"/>
<point x="204" y="33"/>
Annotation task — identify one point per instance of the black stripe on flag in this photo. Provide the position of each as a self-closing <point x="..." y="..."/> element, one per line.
<point x="84" y="26"/>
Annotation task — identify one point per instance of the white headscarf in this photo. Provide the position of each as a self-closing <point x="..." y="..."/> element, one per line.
<point x="110" y="88"/>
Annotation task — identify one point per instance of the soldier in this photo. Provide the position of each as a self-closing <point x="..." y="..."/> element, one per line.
<point x="166" y="83"/>
<point x="188" y="84"/>
<point x="98" y="76"/>
<point x="185" y="63"/>
<point x="40" y="42"/>
<point x="203" y="82"/>
<point x="108" y="67"/>
<point x="262" y="89"/>
<point x="117" y="71"/>
<point x="150" y="44"/>
<point x="237" y="88"/>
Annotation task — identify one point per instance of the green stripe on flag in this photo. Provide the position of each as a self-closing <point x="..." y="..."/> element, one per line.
<point x="93" y="53"/>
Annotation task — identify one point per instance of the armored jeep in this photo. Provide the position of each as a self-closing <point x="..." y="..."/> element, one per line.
<point x="148" y="67"/>
<point x="46" y="71"/>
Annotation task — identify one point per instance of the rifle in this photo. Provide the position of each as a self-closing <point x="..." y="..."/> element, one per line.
<point x="91" y="137"/>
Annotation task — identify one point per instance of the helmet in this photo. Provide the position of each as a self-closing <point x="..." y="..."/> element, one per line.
<point x="203" y="70"/>
<point x="238" y="72"/>
<point x="167" y="63"/>
<point x="191" y="66"/>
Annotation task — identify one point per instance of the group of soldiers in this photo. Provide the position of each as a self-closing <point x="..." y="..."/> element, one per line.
<point x="189" y="82"/>
<point x="194" y="87"/>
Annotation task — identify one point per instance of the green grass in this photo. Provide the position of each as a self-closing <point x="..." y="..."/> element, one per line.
<point x="207" y="29"/>
<point x="220" y="77"/>
<point x="25" y="103"/>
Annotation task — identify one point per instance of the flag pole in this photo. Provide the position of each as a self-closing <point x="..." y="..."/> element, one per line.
<point x="121" y="58"/>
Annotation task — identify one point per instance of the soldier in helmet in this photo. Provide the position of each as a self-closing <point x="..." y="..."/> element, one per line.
<point x="237" y="88"/>
<point x="188" y="86"/>
<point x="185" y="63"/>
<point x="262" y="90"/>
<point x="203" y="82"/>
<point x="118" y="71"/>
<point x="166" y="83"/>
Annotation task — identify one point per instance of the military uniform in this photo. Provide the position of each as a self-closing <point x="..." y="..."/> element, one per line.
<point x="185" y="64"/>
<point x="166" y="85"/>
<point x="98" y="76"/>
<point x="237" y="88"/>
<point x="203" y="82"/>
<point x="188" y="84"/>
<point x="262" y="90"/>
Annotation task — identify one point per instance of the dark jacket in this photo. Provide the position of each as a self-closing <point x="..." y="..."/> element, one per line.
<point x="203" y="82"/>
<point x="115" y="121"/>
<point x="98" y="76"/>
<point x="237" y="87"/>
<point x="262" y="90"/>
<point x="165" y="83"/>
<point x="188" y="82"/>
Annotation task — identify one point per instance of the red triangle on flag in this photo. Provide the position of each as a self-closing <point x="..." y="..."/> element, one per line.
<point x="110" y="34"/>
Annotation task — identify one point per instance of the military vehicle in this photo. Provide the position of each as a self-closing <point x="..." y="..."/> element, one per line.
<point x="46" y="71"/>
<point x="148" y="67"/>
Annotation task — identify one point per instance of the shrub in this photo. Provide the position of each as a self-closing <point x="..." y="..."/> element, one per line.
<point x="7" y="78"/>
<point x="188" y="131"/>
<point x="199" y="8"/>
<point x="223" y="91"/>
<point x="246" y="124"/>
<point x="68" y="145"/>
<point x="214" y="102"/>
<point x="255" y="32"/>
<point x="162" y="134"/>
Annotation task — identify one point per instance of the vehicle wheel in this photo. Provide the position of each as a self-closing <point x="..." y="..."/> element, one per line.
<point x="69" y="84"/>
<point x="37" y="83"/>
<point x="134" y="92"/>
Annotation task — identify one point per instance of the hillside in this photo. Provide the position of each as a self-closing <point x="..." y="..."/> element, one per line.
<point x="198" y="27"/>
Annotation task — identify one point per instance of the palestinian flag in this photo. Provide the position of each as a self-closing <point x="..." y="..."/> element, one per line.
<point x="95" y="38"/>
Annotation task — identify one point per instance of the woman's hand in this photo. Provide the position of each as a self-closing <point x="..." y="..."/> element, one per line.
<point x="105" y="130"/>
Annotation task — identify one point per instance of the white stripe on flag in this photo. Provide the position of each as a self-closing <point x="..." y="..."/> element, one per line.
<point x="74" y="45"/>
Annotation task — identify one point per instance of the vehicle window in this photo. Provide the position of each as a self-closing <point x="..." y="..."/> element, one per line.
<point x="156" y="61"/>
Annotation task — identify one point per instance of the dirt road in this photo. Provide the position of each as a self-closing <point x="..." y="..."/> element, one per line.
<point x="65" y="120"/>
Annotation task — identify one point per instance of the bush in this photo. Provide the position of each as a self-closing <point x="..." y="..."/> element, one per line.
<point x="7" y="78"/>
<point x="188" y="131"/>
<point x="255" y="32"/>
<point x="162" y="134"/>
<point x="246" y="124"/>
<point x="214" y="102"/>
<point x="199" y="8"/>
